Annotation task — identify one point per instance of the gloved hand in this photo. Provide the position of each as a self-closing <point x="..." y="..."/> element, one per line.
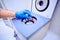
<point x="23" y="14"/>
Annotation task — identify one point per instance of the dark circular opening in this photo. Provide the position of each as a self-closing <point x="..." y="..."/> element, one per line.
<point x="41" y="3"/>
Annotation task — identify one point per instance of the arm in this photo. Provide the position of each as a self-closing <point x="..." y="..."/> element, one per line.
<point x="6" y="13"/>
<point x="19" y="14"/>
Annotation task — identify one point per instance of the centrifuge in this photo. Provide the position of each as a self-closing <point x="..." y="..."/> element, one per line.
<point x="41" y="9"/>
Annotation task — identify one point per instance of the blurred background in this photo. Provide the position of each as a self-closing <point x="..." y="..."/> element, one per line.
<point x="50" y="31"/>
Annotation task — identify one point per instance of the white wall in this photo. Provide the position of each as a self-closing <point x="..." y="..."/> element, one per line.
<point x="55" y="22"/>
<point x="17" y="5"/>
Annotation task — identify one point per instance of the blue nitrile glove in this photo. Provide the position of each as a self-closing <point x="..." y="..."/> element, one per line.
<point x="23" y="14"/>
